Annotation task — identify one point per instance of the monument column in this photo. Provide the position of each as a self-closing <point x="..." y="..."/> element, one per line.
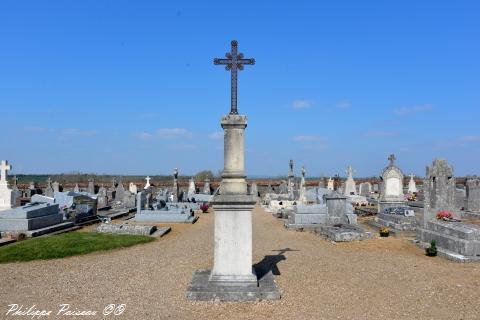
<point x="233" y="216"/>
<point x="232" y="277"/>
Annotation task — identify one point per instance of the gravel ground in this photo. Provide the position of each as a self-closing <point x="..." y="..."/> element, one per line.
<point x="381" y="278"/>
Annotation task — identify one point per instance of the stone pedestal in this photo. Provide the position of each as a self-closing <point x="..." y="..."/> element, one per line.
<point x="232" y="277"/>
<point x="233" y="240"/>
<point x="6" y="198"/>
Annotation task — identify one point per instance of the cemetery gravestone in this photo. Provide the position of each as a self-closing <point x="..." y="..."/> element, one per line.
<point x="391" y="194"/>
<point x="6" y="196"/>
<point x="473" y="195"/>
<point x="350" y="187"/>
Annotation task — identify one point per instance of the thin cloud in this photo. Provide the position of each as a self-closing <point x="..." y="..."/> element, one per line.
<point x="37" y="129"/>
<point x="79" y="132"/>
<point x="142" y="135"/>
<point x="412" y="110"/>
<point x="65" y="131"/>
<point x="148" y="115"/>
<point x="307" y="138"/>
<point x="185" y="147"/>
<point x="344" y="104"/>
<point x="311" y="143"/>
<point x="470" y="138"/>
<point x="216" y="135"/>
<point x="173" y="133"/>
<point x="315" y="146"/>
<point x="302" y="104"/>
<point x="461" y="142"/>
<point x="376" y="134"/>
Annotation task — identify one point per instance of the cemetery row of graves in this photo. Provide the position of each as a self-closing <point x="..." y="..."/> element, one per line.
<point x="439" y="212"/>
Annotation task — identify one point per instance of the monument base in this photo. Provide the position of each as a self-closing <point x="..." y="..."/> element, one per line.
<point x="202" y="289"/>
<point x="382" y="205"/>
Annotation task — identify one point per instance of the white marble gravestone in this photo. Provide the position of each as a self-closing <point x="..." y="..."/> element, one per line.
<point x="6" y="197"/>
<point x="191" y="188"/>
<point x="391" y="193"/>
<point x="330" y="185"/>
<point x="132" y="187"/>
<point x="412" y="186"/>
<point x="350" y="187"/>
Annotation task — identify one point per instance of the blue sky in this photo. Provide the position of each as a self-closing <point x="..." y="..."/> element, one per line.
<point x="129" y="87"/>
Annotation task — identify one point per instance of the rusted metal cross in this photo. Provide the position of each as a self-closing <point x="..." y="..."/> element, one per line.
<point x="234" y="62"/>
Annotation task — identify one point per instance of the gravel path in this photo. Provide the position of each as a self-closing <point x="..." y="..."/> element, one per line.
<point x="382" y="278"/>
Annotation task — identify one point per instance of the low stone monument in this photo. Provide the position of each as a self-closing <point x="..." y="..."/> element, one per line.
<point x="232" y="277"/>
<point x="176" y="213"/>
<point x="33" y="219"/>
<point x="456" y="240"/>
<point x="132" y="229"/>
<point x="365" y="188"/>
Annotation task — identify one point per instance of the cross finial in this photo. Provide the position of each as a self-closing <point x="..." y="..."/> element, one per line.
<point x="234" y="61"/>
<point x="392" y="159"/>
<point x="4" y="167"/>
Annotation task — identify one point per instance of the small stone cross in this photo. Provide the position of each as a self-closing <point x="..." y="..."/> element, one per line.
<point x="392" y="159"/>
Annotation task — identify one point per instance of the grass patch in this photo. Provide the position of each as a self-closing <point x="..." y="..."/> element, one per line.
<point x="67" y="244"/>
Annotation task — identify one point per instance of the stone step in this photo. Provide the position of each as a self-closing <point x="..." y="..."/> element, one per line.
<point x="49" y="229"/>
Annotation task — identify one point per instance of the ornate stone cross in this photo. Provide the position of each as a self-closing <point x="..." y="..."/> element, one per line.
<point x="4" y="167"/>
<point x="234" y="62"/>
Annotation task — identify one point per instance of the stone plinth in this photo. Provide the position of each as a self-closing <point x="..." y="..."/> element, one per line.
<point x="6" y="198"/>
<point x="202" y="289"/>
<point x="233" y="240"/>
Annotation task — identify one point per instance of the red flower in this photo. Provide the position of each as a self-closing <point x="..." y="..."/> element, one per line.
<point x="204" y="207"/>
<point x="443" y="215"/>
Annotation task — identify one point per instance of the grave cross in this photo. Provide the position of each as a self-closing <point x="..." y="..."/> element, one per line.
<point x="392" y="159"/>
<point x="234" y="62"/>
<point x="4" y="167"/>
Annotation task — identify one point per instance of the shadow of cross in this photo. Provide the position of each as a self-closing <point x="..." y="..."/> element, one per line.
<point x="269" y="263"/>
